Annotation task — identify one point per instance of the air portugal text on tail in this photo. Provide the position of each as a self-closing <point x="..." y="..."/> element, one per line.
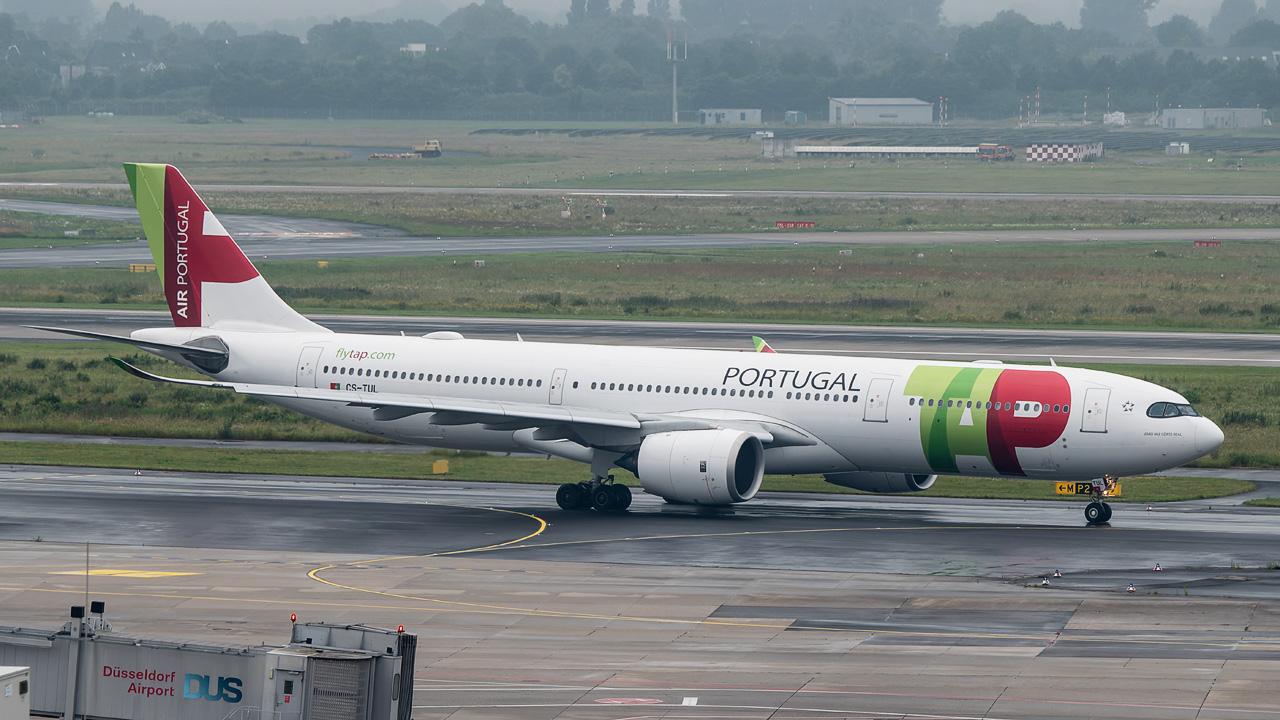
<point x="696" y="426"/>
<point x="207" y="279"/>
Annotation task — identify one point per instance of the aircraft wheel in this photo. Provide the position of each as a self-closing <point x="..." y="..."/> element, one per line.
<point x="570" y="497"/>
<point x="602" y="499"/>
<point x="1106" y="512"/>
<point x="621" y="497"/>
<point x="1093" y="513"/>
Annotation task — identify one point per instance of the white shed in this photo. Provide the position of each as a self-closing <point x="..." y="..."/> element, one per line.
<point x="15" y="693"/>
<point x="730" y="116"/>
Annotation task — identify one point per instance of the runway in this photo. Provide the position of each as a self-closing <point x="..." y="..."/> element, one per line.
<point x="962" y="344"/>
<point x="795" y="606"/>
<point x="276" y="238"/>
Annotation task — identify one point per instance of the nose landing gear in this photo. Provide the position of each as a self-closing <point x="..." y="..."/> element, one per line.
<point x="1099" y="512"/>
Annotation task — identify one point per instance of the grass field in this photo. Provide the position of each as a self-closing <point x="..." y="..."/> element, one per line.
<point x="311" y="152"/>
<point x="71" y="388"/>
<point x="1096" y="285"/>
<point x="23" y="229"/>
<point x="473" y="214"/>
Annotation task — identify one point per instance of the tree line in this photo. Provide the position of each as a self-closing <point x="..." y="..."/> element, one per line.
<point x="769" y="54"/>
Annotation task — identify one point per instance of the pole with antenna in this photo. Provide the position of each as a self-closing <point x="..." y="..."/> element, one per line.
<point x="677" y="51"/>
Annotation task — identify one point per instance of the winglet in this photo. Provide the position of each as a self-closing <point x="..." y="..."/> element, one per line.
<point x="761" y="345"/>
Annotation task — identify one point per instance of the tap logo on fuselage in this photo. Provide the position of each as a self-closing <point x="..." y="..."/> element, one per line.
<point x="987" y="412"/>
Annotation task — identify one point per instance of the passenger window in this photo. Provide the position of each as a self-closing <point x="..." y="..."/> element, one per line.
<point x="575" y="383"/>
<point x="770" y="393"/>
<point x="539" y="383"/>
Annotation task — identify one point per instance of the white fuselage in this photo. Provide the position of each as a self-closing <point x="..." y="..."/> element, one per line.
<point x="863" y="414"/>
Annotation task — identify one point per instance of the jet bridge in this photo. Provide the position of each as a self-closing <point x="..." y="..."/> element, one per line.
<point x="84" y="670"/>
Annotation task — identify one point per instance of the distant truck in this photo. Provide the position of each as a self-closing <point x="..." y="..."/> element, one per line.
<point x="990" y="152"/>
<point x="428" y="149"/>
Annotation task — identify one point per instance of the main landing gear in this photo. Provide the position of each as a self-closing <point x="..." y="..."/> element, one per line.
<point x="601" y="494"/>
<point x="1099" y="512"/>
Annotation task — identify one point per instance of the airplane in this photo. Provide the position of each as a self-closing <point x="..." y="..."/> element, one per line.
<point x="698" y="427"/>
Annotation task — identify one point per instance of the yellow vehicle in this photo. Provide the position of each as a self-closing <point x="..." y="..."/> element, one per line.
<point x="429" y="149"/>
<point x="990" y="152"/>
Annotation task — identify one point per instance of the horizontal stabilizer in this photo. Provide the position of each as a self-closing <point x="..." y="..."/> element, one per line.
<point x="188" y="350"/>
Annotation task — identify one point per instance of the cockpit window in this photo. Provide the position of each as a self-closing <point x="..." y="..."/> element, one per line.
<point x="1167" y="410"/>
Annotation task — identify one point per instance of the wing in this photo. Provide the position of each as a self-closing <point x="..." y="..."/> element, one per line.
<point x="590" y="428"/>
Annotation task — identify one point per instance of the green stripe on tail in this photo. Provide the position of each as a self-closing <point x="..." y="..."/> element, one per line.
<point x="146" y="182"/>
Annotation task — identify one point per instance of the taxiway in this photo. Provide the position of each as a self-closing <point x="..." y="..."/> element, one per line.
<point x="799" y="606"/>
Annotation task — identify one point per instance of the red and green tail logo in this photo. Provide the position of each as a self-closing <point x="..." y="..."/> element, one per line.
<point x="189" y="245"/>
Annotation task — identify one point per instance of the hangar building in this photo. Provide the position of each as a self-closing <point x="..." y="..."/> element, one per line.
<point x="879" y="111"/>
<point x="1211" y="118"/>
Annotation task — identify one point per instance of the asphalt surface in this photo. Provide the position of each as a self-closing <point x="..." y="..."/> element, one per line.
<point x="790" y="606"/>
<point x="963" y="344"/>
<point x="890" y="534"/>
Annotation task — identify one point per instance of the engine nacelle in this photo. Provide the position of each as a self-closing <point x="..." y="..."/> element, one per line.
<point x="882" y="482"/>
<point x="702" y="467"/>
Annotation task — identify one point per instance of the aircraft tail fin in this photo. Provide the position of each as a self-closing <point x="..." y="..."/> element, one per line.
<point x="761" y="345"/>
<point x="207" y="280"/>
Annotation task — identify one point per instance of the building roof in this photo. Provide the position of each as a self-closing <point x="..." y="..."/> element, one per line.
<point x="880" y="101"/>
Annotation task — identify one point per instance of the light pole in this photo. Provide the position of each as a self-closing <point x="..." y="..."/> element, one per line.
<point x="677" y="51"/>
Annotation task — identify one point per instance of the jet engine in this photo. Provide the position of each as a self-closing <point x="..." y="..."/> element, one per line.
<point x="701" y="467"/>
<point x="882" y="482"/>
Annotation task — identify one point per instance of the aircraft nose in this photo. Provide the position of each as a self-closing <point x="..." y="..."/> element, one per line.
<point x="1209" y="436"/>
